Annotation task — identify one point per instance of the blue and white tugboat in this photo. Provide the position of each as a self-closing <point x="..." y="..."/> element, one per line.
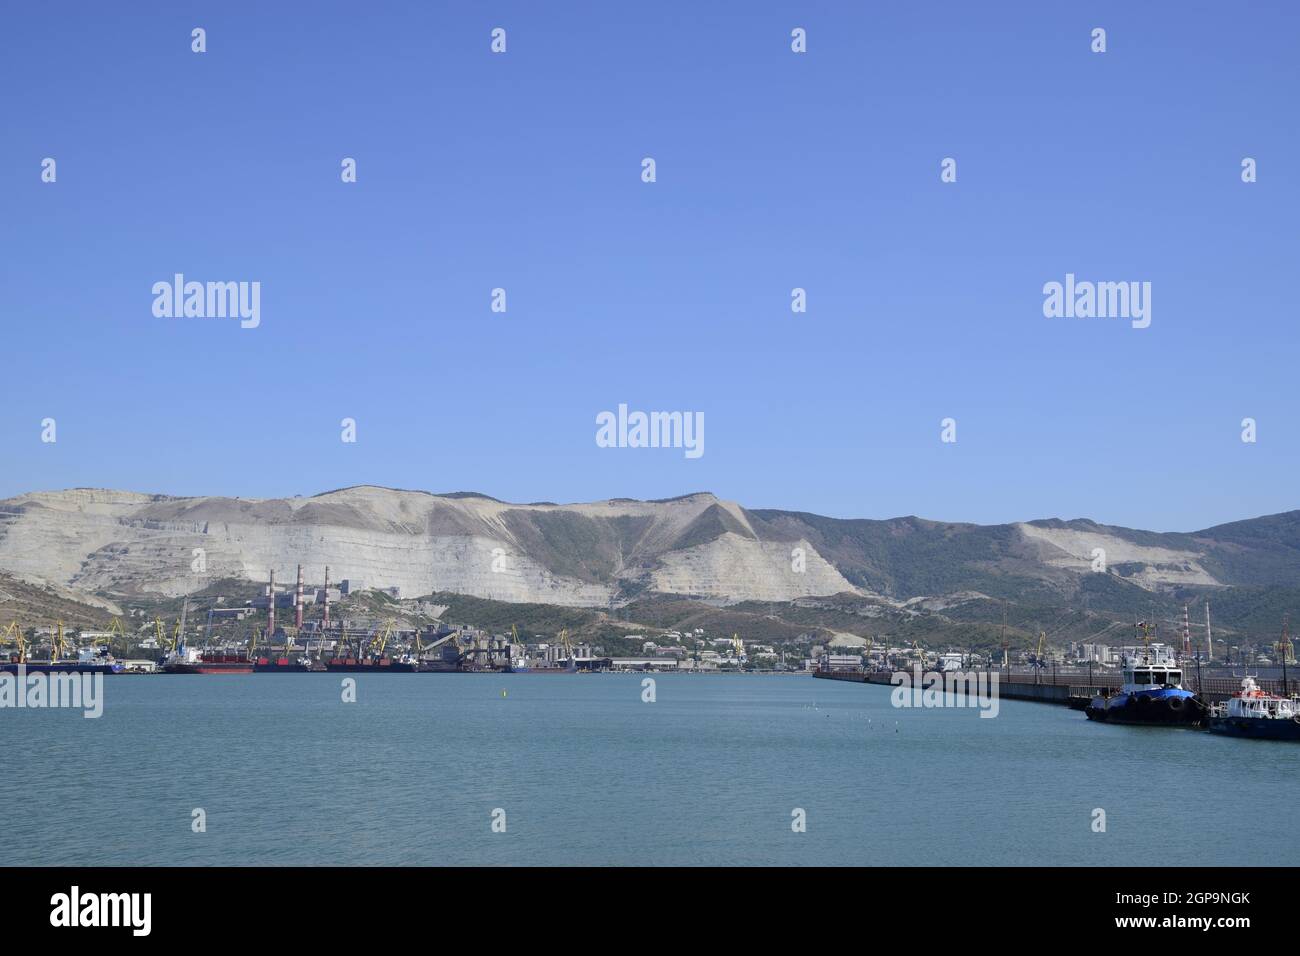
<point x="1152" y="692"/>
<point x="1252" y="712"/>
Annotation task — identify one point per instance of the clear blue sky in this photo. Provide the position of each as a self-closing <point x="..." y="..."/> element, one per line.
<point x="775" y="170"/>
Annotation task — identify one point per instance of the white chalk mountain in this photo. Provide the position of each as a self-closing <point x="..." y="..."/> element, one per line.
<point x="603" y="553"/>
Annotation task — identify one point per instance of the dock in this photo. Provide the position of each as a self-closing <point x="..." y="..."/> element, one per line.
<point x="1073" y="686"/>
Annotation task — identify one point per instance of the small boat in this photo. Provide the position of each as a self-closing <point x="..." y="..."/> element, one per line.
<point x="1255" y="713"/>
<point x="1152" y="693"/>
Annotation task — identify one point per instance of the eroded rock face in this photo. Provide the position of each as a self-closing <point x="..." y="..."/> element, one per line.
<point x="1077" y="550"/>
<point x="582" y="555"/>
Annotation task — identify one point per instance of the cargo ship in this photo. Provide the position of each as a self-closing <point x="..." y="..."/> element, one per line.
<point x="193" y="661"/>
<point x="89" y="660"/>
<point x="372" y="665"/>
<point x="438" y="667"/>
<point x="285" y="665"/>
<point x="1152" y="693"/>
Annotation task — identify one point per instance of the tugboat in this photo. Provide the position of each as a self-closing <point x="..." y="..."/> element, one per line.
<point x="1255" y="713"/>
<point x="1152" y="692"/>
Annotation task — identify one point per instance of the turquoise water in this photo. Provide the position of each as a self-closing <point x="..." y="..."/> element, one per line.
<point x="589" y="774"/>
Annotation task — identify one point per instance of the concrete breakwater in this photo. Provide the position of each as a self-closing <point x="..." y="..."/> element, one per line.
<point x="1062" y="686"/>
<point x="1009" y="689"/>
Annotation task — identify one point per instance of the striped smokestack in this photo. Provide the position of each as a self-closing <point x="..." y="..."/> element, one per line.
<point x="297" y="602"/>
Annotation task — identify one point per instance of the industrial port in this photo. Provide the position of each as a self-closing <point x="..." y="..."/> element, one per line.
<point x="343" y="626"/>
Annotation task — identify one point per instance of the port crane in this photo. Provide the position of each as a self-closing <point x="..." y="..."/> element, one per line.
<point x="17" y="633"/>
<point x="1006" y="646"/>
<point x="160" y="636"/>
<point x="115" y="630"/>
<point x="60" y="643"/>
<point x="380" y="639"/>
<point x="178" y="632"/>
<point x="738" y="646"/>
<point x="1037" y="659"/>
<point x="1285" y="649"/>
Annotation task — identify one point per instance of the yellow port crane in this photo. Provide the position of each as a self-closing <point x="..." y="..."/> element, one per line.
<point x="60" y="643"/>
<point x="563" y="640"/>
<point x="115" y="629"/>
<point x="382" y="634"/>
<point x="160" y="636"/>
<point x="1038" y="660"/>
<point x="738" y="646"/>
<point x="17" y="632"/>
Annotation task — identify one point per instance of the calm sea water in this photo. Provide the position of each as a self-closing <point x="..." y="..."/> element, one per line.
<point x="589" y="774"/>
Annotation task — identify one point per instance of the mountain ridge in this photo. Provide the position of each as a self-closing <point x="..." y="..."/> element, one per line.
<point x="606" y="553"/>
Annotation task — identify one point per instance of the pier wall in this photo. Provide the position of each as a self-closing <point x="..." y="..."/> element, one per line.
<point x="1011" y="690"/>
<point x="1059" y="686"/>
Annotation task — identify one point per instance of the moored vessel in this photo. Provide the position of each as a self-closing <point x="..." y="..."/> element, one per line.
<point x="282" y="665"/>
<point x="87" y="661"/>
<point x="1152" y="692"/>
<point x="372" y="665"/>
<point x="191" y="660"/>
<point x="1257" y="714"/>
